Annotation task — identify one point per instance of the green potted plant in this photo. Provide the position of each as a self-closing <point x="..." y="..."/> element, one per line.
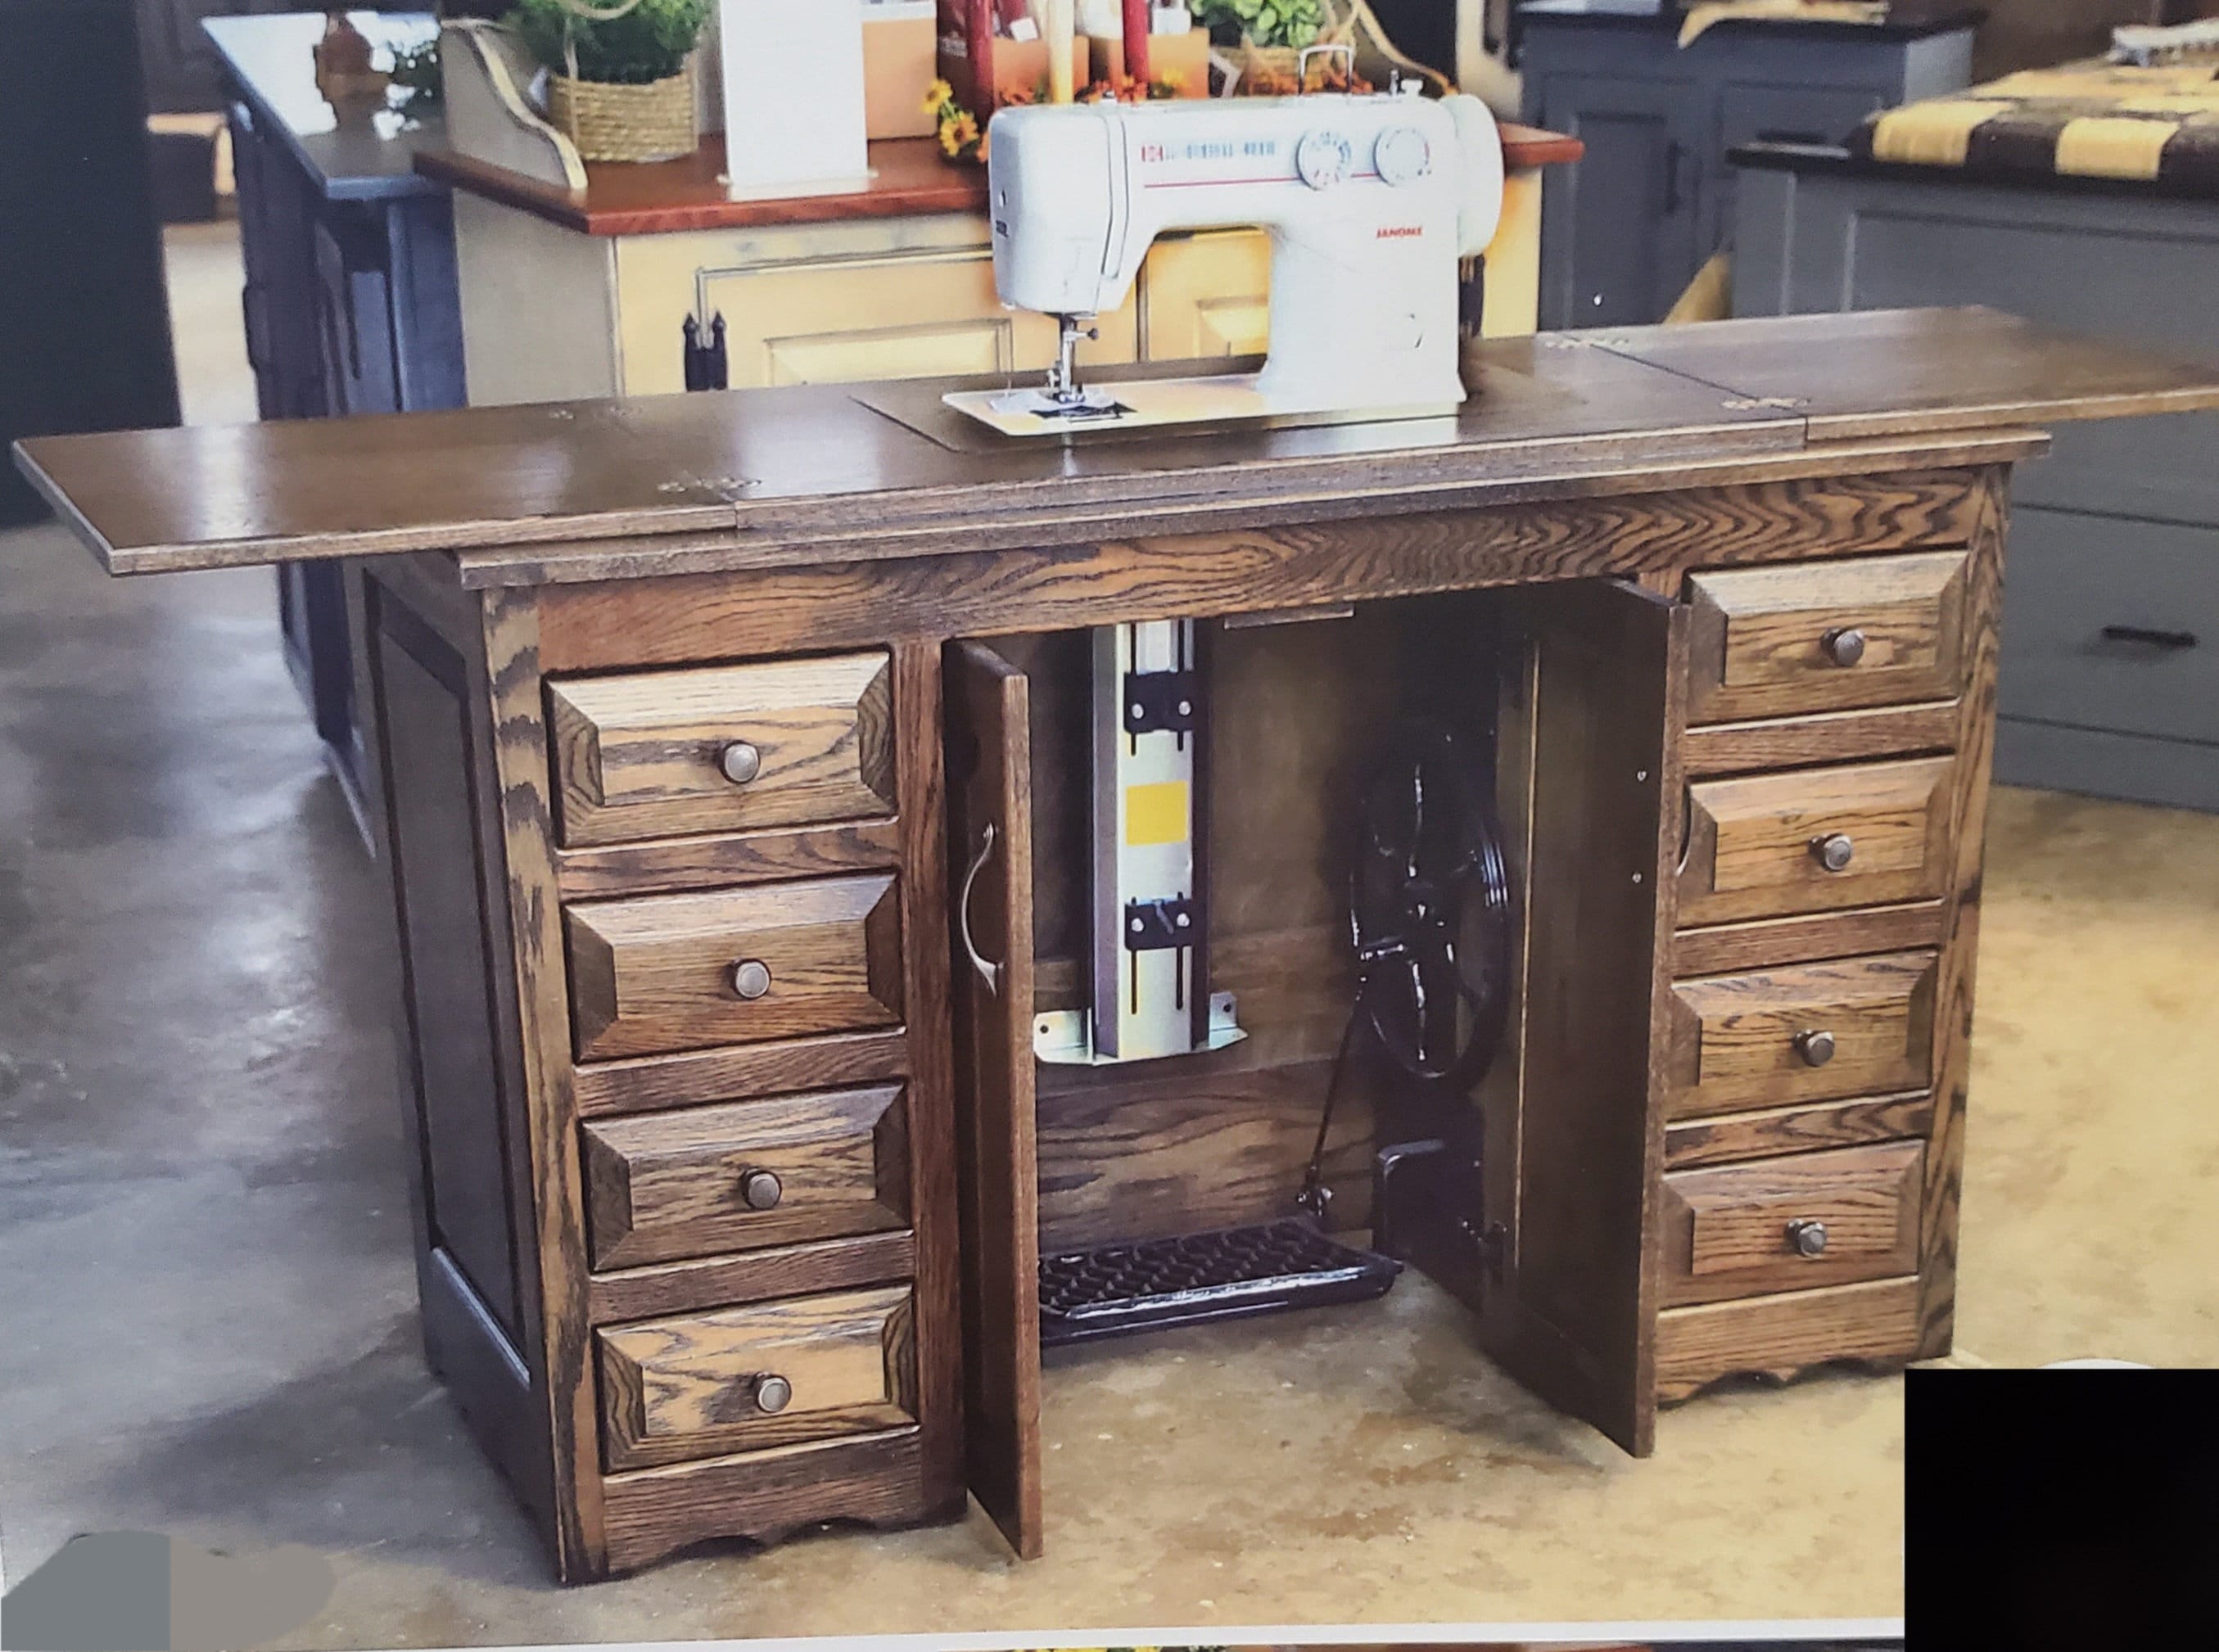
<point x="620" y="81"/>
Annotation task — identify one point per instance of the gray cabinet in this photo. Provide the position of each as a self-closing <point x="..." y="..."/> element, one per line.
<point x="1624" y="230"/>
<point x="2109" y="675"/>
<point x="1617" y="230"/>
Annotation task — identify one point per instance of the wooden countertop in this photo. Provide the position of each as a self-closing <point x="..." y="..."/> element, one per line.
<point x="820" y="474"/>
<point x="908" y="176"/>
<point x="370" y="155"/>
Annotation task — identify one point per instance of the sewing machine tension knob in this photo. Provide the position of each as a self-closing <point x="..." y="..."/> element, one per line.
<point x="1403" y="155"/>
<point x="1322" y="159"/>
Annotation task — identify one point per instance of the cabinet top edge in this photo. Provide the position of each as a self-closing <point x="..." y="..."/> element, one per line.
<point x="742" y="478"/>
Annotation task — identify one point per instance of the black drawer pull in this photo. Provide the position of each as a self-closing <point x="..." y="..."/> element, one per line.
<point x="2149" y="637"/>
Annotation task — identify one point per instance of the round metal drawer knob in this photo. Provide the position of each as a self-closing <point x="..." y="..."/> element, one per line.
<point x="1833" y="851"/>
<point x="773" y="1393"/>
<point x="1817" y="1048"/>
<point x="751" y="978"/>
<point x="1844" y="645"/>
<point x="1806" y="1238"/>
<point x="741" y="762"/>
<point x="762" y="1189"/>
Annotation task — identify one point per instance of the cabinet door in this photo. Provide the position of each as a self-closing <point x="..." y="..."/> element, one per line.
<point x="1760" y="113"/>
<point x="1618" y="231"/>
<point x="1573" y="1314"/>
<point x="1206" y="296"/>
<point x="990" y="823"/>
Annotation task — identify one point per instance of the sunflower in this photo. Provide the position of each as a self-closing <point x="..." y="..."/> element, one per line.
<point x="936" y="94"/>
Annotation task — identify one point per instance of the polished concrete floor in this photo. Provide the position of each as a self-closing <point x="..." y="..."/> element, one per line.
<point x="207" y="1321"/>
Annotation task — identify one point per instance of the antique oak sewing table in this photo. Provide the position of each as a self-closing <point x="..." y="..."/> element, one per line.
<point x="688" y="713"/>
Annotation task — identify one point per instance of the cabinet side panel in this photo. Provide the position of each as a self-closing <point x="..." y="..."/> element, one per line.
<point x="563" y="1385"/>
<point x="439" y="890"/>
<point x="1953" y="1011"/>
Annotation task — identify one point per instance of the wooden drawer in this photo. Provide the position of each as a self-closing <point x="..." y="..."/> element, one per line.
<point x="1757" y="846"/>
<point x="704" y="1384"/>
<point x="1792" y="1223"/>
<point x="662" y="754"/>
<point x="1802" y="1032"/>
<point x="1811" y="637"/>
<point x="746" y="1174"/>
<point x="1782" y="1335"/>
<point x="734" y="965"/>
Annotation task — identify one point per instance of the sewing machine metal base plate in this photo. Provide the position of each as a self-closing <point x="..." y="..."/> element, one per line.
<point x="1220" y="401"/>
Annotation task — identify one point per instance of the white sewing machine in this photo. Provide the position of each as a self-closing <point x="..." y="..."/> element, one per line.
<point x="1369" y="201"/>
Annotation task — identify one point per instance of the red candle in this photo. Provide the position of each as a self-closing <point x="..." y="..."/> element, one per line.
<point x="1136" y="41"/>
<point x="978" y="47"/>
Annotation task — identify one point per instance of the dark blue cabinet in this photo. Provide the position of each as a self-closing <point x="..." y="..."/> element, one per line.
<point x="351" y="304"/>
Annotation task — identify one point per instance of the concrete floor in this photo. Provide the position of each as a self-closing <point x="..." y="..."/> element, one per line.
<point x="208" y="1310"/>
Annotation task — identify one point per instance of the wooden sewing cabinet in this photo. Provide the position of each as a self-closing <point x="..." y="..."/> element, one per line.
<point x="689" y="712"/>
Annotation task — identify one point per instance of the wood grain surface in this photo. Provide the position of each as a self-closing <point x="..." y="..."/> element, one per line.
<point x="656" y="974"/>
<point x="1739" y="1041"/>
<point x="644" y="1084"/>
<point x="666" y="1185"/>
<point x="1251" y="569"/>
<point x="563" y="1386"/>
<point x="997" y="1176"/>
<point x="641" y="755"/>
<point x="909" y="176"/>
<point x="807" y="473"/>
<point x="692" y="1386"/>
<point x="1726" y="1229"/>
<point x="1953" y="1014"/>
<point x="667" y="865"/>
<point x="1781" y="1336"/>
<point x="1759" y="636"/>
<point x="1751" y="841"/>
<point x="665" y="1288"/>
<point x="878" y="1479"/>
<point x="1755" y="943"/>
<point x="1822" y="737"/>
<point x="1759" y="1134"/>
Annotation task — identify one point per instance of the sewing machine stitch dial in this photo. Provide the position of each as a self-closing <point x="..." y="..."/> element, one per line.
<point x="1323" y="157"/>
<point x="1403" y="155"/>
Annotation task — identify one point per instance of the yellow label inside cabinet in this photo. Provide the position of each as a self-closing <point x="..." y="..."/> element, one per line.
<point x="1156" y="813"/>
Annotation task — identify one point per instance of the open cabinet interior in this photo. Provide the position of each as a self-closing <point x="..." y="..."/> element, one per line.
<point x="1515" y="1177"/>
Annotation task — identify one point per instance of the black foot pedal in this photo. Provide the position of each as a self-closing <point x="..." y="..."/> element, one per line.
<point x="1116" y="1289"/>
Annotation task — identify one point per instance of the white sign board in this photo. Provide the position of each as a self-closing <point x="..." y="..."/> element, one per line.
<point x="793" y="97"/>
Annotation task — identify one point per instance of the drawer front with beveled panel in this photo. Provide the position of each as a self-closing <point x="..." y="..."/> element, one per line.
<point x="742" y="1175"/>
<point x="734" y="965"/>
<point x="1812" y="840"/>
<point x="720" y="748"/>
<point x="744" y="1379"/>
<point x="1813" y="636"/>
<point x="1793" y="1223"/>
<point x="1801" y="1032"/>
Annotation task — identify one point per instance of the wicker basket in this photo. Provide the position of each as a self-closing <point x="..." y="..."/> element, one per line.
<point x="1346" y="23"/>
<point x="608" y="120"/>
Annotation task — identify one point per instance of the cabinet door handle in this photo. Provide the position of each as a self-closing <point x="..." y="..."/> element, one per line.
<point x="2148" y="637"/>
<point x="991" y="973"/>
